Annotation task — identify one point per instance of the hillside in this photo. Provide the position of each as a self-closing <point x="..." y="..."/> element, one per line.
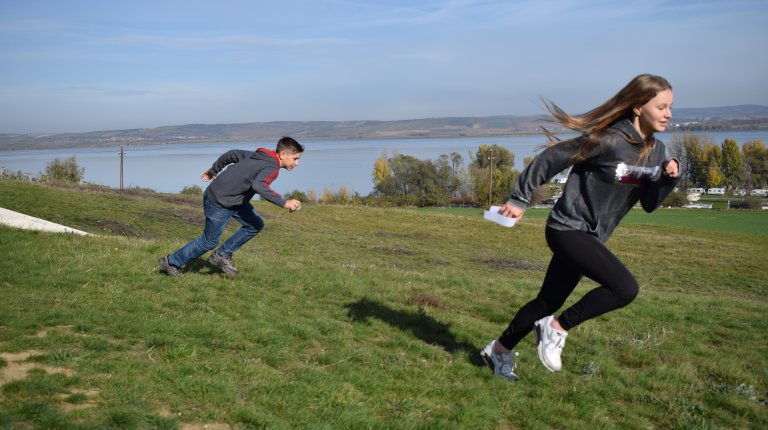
<point x="733" y="117"/>
<point x="353" y="317"/>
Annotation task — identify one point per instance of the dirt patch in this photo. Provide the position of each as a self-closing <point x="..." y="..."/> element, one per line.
<point x="394" y="250"/>
<point x="426" y="300"/>
<point x="44" y="332"/>
<point x="194" y="426"/>
<point x="113" y="227"/>
<point x="68" y="406"/>
<point x="189" y="216"/>
<point x="390" y="235"/>
<point x="17" y="366"/>
<point x="514" y="264"/>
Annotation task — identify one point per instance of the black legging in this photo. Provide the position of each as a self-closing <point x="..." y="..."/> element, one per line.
<point x="575" y="254"/>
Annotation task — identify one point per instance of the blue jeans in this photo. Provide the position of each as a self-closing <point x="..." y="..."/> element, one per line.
<point x="216" y="219"/>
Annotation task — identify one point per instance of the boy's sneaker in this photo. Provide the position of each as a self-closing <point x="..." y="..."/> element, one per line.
<point x="502" y="364"/>
<point x="224" y="263"/>
<point x="550" y="343"/>
<point x="167" y="267"/>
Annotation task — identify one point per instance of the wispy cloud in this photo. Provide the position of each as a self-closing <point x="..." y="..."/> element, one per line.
<point x="116" y="92"/>
<point x="200" y="42"/>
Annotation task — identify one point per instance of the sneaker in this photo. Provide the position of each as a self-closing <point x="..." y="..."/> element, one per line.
<point x="503" y="365"/>
<point x="168" y="268"/>
<point x="224" y="263"/>
<point x="550" y="343"/>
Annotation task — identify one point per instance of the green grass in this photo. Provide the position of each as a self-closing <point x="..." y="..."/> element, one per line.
<point x="347" y="317"/>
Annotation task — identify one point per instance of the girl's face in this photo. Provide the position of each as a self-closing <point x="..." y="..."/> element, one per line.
<point x="654" y="116"/>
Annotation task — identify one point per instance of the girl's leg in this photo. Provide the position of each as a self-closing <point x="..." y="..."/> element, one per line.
<point x="558" y="284"/>
<point x="589" y="256"/>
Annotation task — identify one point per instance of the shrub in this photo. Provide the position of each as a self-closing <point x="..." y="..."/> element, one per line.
<point x="675" y="200"/>
<point x="64" y="171"/>
<point x="298" y="195"/>
<point x="754" y="203"/>
<point x="192" y="190"/>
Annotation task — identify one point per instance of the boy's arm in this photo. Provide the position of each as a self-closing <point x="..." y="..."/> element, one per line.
<point x="227" y="158"/>
<point x="261" y="186"/>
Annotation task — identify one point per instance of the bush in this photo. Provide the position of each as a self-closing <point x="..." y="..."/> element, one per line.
<point x="297" y="195"/>
<point x="675" y="200"/>
<point x="192" y="190"/>
<point x="754" y="203"/>
<point x="64" y="171"/>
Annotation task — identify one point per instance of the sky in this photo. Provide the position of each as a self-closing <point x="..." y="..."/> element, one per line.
<point x="91" y="65"/>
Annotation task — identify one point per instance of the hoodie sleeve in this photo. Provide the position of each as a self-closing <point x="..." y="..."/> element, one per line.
<point x="227" y="158"/>
<point x="658" y="190"/>
<point x="261" y="186"/>
<point x="544" y="167"/>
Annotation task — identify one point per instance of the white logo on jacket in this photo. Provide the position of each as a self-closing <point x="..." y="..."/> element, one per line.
<point x="635" y="175"/>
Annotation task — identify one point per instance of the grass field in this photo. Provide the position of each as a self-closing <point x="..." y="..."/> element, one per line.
<point x="349" y="317"/>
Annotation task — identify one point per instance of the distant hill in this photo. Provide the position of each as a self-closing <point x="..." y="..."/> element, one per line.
<point x="719" y="118"/>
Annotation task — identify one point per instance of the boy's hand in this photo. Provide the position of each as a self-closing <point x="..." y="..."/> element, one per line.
<point x="206" y="176"/>
<point x="293" y="205"/>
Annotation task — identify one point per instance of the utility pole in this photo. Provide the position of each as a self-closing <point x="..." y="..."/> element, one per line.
<point x="490" y="180"/>
<point x="122" y="153"/>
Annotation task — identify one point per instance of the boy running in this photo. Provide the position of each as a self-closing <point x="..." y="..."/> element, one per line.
<point x="228" y="196"/>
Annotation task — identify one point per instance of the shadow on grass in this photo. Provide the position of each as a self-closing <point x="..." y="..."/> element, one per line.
<point x="202" y="266"/>
<point x="420" y="324"/>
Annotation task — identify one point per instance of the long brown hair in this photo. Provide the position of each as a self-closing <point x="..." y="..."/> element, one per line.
<point x="637" y="92"/>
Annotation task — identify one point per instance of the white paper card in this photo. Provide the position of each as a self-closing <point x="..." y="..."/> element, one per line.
<point x="492" y="214"/>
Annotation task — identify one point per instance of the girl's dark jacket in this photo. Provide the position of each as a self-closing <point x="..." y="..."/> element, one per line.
<point x="247" y="173"/>
<point x="603" y="188"/>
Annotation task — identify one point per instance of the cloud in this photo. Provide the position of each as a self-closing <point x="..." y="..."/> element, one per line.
<point x="200" y="42"/>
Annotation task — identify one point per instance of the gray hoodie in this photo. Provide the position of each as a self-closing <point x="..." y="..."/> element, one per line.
<point x="601" y="189"/>
<point x="247" y="173"/>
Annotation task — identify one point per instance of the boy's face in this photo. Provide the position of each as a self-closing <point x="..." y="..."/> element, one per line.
<point x="289" y="160"/>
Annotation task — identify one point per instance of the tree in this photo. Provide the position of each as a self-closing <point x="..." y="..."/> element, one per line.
<point x="756" y="163"/>
<point x="732" y="166"/>
<point x="696" y="158"/>
<point x="714" y="177"/>
<point x="492" y="163"/>
<point x="381" y="171"/>
<point x="311" y="196"/>
<point x="64" y="171"/>
<point x="677" y="150"/>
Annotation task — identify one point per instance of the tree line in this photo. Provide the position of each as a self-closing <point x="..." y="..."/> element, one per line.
<point x="489" y="176"/>
<point x="706" y="164"/>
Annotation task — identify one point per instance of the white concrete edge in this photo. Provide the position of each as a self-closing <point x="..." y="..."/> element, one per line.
<point x="26" y="222"/>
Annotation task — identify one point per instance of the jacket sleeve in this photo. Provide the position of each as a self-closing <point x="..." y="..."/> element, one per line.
<point x="227" y="158"/>
<point x="261" y="186"/>
<point x="544" y="167"/>
<point x="658" y="190"/>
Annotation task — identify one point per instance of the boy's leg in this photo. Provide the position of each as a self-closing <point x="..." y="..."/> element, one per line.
<point x="216" y="219"/>
<point x="252" y="224"/>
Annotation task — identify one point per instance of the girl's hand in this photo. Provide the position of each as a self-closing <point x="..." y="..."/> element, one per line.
<point x="511" y="211"/>
<point x="673" y="169"/>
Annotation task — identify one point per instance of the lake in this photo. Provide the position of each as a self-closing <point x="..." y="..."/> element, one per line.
<point x="325" y="163"/>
